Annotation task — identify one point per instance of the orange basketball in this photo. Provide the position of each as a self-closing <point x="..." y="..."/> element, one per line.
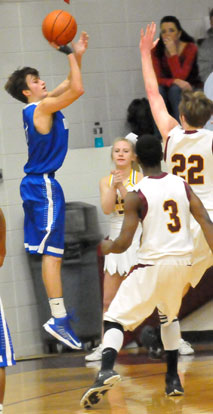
<point x="60" y="27"/>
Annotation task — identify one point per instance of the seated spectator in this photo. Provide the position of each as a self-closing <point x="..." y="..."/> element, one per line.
<point x="175" y="63"/>
<point x="210" y="30"/>
<point x="205" y="52"/>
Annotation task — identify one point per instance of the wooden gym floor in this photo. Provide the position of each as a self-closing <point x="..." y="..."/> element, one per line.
<point x="54" y="385"/>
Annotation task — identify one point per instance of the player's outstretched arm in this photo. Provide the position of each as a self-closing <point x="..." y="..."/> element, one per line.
<point x="160" y="114"/>
<point x="51" y="104"/>
<point x="79" y="49"/>
<point x="2" y="238"/>
<point x="201" y="215"/>
<point x="130" y="223"/>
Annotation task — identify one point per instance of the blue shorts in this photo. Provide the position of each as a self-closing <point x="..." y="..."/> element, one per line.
<point x="44" y="208"/>
<point x="7" y="356"/>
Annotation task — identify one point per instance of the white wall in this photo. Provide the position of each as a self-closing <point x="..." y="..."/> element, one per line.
<point x="112" y="78"/>
<point x="80" y="176"/>
<point x="199" y="320"/>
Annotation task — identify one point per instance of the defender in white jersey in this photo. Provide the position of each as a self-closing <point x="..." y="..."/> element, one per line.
<point x="188" y="147"/>
<point x="163" y="203"/>
<point x="189" y="154"/>
<point x="113" y="189"/>
<point x="7" y="356"/>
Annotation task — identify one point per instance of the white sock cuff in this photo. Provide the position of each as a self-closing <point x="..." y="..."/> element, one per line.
<point x="170" y="335"/>
<point x="57" y="307"/>
<point x="113" y="338"/>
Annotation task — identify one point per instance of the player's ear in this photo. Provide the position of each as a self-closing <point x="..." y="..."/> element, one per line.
<point x="26" y="92"/>
<point x="182" y="119"/>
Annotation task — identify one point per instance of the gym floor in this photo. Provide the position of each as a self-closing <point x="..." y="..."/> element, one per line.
<point x="54" y="384"/>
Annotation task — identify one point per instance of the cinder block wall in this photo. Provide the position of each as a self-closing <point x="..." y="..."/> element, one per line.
<point x="112" y="78"/>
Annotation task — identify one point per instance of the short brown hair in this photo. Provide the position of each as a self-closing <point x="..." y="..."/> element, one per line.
<point x="17" y="82"/>
<point x="196" y="108"/>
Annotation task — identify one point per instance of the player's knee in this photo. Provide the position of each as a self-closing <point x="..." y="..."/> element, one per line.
<point x="164" y="319"/>
<point x="112" y="325"/>
<point x="51" y="259"/>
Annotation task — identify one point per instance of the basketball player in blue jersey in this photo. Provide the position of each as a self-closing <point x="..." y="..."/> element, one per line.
<point x="7" y="357"/>
<point x="163" y="203"/>
<point x="43" y="200"/>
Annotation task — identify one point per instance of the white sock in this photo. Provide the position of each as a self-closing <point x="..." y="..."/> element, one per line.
<point x="1" y="408"/>
<point x="57" y="307"/>
<point x="113" y="338"/>
<point x="170" y="335"/>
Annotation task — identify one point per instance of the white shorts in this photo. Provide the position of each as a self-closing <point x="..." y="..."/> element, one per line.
<point x="122" y="262"/>
<point x="202" y="256"/>
<point x="146" y="288"/>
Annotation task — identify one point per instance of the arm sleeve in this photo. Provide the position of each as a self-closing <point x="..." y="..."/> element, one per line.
<point x="181" y="70"/>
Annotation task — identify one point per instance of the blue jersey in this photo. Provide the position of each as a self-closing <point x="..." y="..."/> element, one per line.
<point x="46" y="152"/>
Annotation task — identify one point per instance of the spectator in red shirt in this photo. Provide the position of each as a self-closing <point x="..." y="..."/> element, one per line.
<point x="175" y="63"/>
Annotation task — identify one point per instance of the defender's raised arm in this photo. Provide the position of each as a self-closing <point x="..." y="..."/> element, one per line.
<point x="163" y="120"/>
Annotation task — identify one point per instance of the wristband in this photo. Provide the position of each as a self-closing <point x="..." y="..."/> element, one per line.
<point x="65" y="49"/>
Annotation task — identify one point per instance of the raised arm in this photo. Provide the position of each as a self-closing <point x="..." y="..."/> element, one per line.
<point x="79" y="48"/>
<point x="130" y="223"/>
<point x="163" y="120"/>
<point x="201" y="215"/>
<point x="57" y="101"/>
<point x="2" y="238"/>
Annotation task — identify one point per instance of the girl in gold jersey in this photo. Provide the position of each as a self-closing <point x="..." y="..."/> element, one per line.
<point x="113" y="189"/>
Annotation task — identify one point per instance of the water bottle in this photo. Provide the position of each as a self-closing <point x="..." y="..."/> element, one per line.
<point x="98" y="131"/>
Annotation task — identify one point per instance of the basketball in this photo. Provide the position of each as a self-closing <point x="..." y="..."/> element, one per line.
<point x="59" y="27"/>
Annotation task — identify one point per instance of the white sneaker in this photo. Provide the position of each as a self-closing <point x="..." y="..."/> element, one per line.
<point x="96" y="355"/>
<point x="185" y="348"/>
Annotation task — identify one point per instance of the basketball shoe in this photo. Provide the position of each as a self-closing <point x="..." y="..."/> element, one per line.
<point x="61" y="330"/>
<point x="173" y="385"/>
<point x="185" y="348"/>
<point x="96" y="355"/>
<point x="105" y="380"/>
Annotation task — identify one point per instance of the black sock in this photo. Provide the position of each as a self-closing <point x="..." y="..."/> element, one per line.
<point x="108" y="358"/>
<point x="172" y="362"/>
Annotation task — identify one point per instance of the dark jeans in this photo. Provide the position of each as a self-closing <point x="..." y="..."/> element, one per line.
<point x="172" y="97"/>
